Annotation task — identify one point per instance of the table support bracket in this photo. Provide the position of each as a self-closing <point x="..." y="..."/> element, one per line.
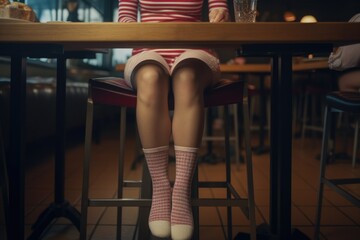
<point x="60" y="207"/>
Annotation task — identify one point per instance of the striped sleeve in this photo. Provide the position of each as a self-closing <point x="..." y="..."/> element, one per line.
<point x="128" y="11"/>
<point x="217" y="4"/>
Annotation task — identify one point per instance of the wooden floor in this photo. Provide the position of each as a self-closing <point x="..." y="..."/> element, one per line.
<point x="340" y="220"/>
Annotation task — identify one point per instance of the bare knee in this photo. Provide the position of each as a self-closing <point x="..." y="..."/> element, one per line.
<point x="190" y="79"/>
<point x="185" y="79"/>
<point x="151" y="83"/>
<point x="150" y="75"/>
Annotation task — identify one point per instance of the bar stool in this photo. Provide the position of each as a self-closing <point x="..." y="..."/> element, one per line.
<point x="113" y="91"/>
<point x="335" y="102"/>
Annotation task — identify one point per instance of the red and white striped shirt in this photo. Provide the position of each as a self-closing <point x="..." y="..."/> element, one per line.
<point x="165" y="11"/>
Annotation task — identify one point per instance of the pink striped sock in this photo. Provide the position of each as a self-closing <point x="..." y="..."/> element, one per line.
<point x="182" y="222"/>
<point x="159" y="219"/>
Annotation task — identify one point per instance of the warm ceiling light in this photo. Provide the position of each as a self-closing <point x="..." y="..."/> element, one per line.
<point x="308" y="19"/>
<point x="289" y="16"/>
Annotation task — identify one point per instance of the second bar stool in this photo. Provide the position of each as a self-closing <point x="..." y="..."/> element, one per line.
<point x="335" y="102"/>
<point x="113" y="91"/>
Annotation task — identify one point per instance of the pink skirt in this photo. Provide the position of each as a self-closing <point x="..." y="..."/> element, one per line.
<point x="142" y="58"/>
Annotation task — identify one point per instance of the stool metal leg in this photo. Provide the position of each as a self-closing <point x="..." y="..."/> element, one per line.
<point x="144" y="212"/>
<point x="228" y="168"/>
<point x="195" y="209"/>
<point x="86" y="170"/>
<point x="355" y="143"/>
<point x="121" y="169"/>
<point x="143" y="229"/>
<point x="249" y="168"/>
<point x="236" y="136"/>
<point x="324" y="156"/>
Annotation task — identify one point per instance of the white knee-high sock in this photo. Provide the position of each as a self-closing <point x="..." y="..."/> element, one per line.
<point x="159" y="219"/>
<point x="182" y="223"/>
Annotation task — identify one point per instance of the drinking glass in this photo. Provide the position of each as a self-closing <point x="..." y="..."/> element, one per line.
<point x="245" y="10"/>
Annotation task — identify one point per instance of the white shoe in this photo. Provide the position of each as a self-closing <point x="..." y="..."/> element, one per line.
<point x="181" y="232"/>
<point x="160" y="229"/>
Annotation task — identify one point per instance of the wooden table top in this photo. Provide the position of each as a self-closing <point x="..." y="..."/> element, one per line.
<point x="229" y="35"/>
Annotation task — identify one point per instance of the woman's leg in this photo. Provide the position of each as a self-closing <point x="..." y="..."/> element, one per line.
<point x="190" y="79"/>
<point x="152" y="112"/>
<point x="153" y="121"/>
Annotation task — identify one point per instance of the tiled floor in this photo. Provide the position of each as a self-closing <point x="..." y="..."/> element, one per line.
<point x="340" y="220"/>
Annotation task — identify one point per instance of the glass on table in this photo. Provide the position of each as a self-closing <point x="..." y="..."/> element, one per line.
<point x="245" y="10"/>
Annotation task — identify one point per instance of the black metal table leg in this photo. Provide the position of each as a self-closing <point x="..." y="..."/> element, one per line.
<point x="280" y="165"/>
<point x="60" y="207"/>
<point x="281" y="135"/>
<point x="16" y="166"/>
<point x="16" y="154"/>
